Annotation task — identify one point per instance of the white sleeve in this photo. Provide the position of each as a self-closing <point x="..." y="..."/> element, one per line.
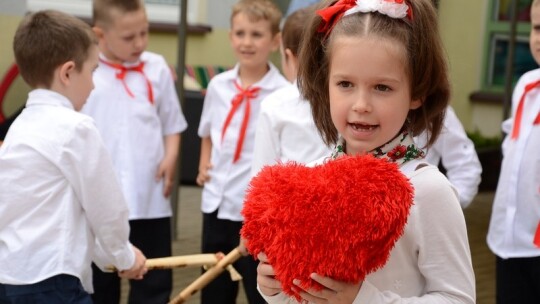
<point x="439" y="236"/>
<point x="459" y="158"/>
<point x="205" y="123"/>
<point x="92" y="177"/>
<point x="169" y="111"/>
<point x="266" y="149"/>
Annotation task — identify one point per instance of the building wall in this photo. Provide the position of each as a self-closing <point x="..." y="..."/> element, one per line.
<point x="11" y="13"/>
<point x="461" y="22"/>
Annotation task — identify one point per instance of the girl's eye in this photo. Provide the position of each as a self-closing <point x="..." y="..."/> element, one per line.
<point x="344" y="84"/>
<point x="382" y="88"/>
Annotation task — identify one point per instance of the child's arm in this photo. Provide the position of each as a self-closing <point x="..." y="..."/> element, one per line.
<point x="204" y="161"/>
<point x="167" y="167"/>
<point x="138" y="270"/>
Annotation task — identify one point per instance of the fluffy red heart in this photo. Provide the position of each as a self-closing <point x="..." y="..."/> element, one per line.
<point x="339" y="219"/>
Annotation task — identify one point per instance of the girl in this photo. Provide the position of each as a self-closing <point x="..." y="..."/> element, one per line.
<point x="375" y="75"/>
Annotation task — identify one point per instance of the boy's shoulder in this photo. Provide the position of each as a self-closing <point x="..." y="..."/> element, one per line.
<point x="528" y="77"/>
<point x="152" y="58"/>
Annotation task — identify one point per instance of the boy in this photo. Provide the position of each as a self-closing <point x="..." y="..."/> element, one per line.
<point x="227" y="129"/>
<point x="61" y="205"/>
<point x="137" y="111"/>
<point x="516" y="208"/>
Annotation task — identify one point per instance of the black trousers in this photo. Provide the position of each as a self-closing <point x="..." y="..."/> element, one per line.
<point x="223" y="236"/>
<point x="518" y="280"/>
<point x="153" y="238"/>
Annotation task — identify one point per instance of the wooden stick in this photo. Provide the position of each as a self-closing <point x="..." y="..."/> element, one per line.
<point x="207" y="277"/>
<point x="177" y="262"/>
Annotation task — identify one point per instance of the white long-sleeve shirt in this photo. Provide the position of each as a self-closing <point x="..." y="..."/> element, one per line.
<point x="516" y="207"/>
<point x="133" y="130"/>
<point x="286" y="131"/>
<point x="58" y="196"/>
<point x="458" y="156"/>
<point x="431" y="262"/>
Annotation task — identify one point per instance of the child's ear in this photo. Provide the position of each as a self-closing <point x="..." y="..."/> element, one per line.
<point x="98" y="31"/>
<point x="65" y="71"/>
<point x="415" y="104"/>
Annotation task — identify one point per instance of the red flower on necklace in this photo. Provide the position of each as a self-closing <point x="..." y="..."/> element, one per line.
<point x="398" y="152"/>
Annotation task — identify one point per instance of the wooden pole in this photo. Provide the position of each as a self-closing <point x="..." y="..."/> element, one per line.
<point x="181" y="63"/>
<point x="207" y="277"/>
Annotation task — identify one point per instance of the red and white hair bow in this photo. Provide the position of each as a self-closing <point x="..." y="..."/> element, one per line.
<point x="397" y="9"/>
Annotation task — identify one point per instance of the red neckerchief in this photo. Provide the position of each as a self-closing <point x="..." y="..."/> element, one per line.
<point x="121" y="72"/>
<point x="247" y="94"/>
<point x="519" y="110"/>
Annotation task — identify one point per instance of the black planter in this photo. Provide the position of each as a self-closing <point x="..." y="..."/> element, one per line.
<point x="490" y="159"/>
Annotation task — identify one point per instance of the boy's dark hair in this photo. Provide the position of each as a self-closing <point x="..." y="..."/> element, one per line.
<point x="101" y="9"/>
<point x="426" y="64"/>
<point x="47" y="39"/>
<point x="257" y="10"/>
<point x="291" y="34"/>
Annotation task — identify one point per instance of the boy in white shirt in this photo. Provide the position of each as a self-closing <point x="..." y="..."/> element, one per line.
<point x="227" y="129"/>
<point x="514" y="227"/>
<point x="60" y="205"/>
<point x="138" y="114"/>
<point x="285" y="129"/>
<point x="458" y="156"/>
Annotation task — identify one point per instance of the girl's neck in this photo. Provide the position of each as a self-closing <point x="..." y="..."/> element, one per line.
<point x="250" y="75"/>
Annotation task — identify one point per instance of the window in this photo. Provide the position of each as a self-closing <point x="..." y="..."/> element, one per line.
<point x="497" y="44"/>
<point x="161" y="11"/>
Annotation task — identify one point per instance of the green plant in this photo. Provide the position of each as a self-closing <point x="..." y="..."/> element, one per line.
<point x="481" y="141"/>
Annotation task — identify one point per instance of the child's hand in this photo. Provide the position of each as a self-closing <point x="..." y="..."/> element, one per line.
<point x="138" y="270"/>
<point x="334" y="291"/>
<point x="166" y="170"/>
<point x="265" y="277"/>
<point x="203" y="175"/>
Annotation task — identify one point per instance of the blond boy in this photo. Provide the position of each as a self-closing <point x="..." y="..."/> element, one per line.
<point x="227" y="129"/>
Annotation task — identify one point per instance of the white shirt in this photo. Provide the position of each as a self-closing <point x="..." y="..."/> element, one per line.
<point x="431" y="262"/>
<point x="59" y="196"/>
<point x="286" y="131"/>
<point x="516" y="207"/>
<point x="228" y="181"/>
<point x="458" y="156"/>
<point x="133" y="130"/>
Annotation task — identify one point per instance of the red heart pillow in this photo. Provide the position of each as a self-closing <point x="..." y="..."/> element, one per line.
<point x="339" y="219"/>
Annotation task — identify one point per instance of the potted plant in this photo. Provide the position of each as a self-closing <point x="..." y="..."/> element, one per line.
<point x="490" y="156"/>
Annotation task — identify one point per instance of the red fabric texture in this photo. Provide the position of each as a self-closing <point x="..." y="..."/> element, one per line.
<point x="339" y="219"/>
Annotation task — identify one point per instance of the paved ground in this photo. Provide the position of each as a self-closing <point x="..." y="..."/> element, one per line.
<point x="189" y="231"/>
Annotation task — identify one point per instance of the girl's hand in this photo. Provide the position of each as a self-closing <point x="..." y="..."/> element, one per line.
<point x="203" y="175"/>
<point x="268" y="285"/>
<point x="335" y="292"/>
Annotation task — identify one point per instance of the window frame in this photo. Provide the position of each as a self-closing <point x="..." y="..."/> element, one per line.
<point x="497" y="28"/>
<point x="157" y="13"/>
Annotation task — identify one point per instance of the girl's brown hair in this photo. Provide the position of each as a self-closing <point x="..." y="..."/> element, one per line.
<point x="426" y="66"/>
<point x="293" y="28"/>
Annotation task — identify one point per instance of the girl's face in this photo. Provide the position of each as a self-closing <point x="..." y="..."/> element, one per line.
<point x="369" y="90"/>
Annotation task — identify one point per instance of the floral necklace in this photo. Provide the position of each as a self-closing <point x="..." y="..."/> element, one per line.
<point x="400" y="149"/>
